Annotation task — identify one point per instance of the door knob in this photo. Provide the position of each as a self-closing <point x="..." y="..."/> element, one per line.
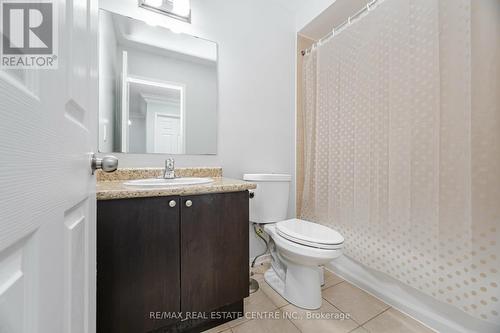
<point x="172" y="203"/>
<point x="106" y="164"/>
<point x="189" y="203"/>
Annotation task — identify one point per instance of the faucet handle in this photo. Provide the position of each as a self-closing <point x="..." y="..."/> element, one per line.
<point x="169" y="172"/>
<point x="169" y="163"/>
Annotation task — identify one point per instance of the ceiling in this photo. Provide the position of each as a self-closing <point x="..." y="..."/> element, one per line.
<point x="331" y="17"/>
<point x="291" y="5"/>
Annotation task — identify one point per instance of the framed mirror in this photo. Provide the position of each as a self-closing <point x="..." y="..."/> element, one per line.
<point x="158" y="90"/>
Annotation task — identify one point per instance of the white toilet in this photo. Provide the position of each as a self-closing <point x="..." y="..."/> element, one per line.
<point x="297" y="247"/>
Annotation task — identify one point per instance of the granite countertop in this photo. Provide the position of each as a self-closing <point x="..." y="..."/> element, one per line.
<point x="112" y="187"/>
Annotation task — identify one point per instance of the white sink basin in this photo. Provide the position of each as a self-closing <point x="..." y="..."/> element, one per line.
<point x="160" y="182"/>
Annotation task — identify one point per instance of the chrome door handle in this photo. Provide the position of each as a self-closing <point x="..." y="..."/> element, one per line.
<point x="106" y="164"/>
<point x="189" y="203"/>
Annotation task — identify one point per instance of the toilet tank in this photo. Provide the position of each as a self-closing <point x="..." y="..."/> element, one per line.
<point x="270" y="201"/>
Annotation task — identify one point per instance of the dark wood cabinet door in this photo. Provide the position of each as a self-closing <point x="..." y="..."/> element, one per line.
<point x="138" y="268"/>
<point x="214" y="250"/>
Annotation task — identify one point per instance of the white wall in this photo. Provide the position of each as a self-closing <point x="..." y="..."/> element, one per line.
<point x="256" y="118"/>
<point x="107" y="81"/>
<point x="308" y="10"/>
<point x="137" y="134"/>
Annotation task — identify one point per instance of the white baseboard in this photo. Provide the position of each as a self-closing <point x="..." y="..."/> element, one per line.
<point x="435" y="314"/>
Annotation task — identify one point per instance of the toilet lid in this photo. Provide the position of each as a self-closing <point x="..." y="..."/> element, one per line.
<point x="309" y="234"/>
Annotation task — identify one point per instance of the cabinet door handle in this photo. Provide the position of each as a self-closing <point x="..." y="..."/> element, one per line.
<point x="172" y="203"/>
<point x="189" y="203"/>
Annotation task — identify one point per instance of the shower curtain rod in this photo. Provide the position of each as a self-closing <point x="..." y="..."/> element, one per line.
<point x="340" y="26"/>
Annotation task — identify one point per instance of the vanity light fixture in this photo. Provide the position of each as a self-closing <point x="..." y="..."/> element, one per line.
<point x="178" y="9"/>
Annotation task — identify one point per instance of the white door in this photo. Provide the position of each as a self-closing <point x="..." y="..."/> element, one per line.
<point x="167" y="134"/>
<point x="48" y="126"/>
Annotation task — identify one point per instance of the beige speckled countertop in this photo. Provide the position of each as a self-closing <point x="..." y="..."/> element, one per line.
<point x="114" y="188"/>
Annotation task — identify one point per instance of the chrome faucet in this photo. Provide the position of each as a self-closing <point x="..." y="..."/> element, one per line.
<point x="169" y="169"/>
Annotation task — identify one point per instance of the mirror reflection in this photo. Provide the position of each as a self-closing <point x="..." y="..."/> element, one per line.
<point x="157" y="89"/>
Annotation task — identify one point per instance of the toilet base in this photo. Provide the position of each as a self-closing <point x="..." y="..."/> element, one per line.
<point x="302" y="285"/>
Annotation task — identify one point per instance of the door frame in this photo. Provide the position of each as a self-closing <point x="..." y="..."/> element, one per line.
<point x="124" y="104"/>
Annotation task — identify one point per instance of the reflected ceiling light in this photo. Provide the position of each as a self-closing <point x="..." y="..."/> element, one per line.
<point x="178" y="9"/>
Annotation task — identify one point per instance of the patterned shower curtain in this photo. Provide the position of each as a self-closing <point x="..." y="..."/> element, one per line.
<point x="402" y="146"/>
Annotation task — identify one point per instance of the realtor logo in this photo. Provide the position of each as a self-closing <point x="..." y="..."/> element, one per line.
<point x="28" y="34"/>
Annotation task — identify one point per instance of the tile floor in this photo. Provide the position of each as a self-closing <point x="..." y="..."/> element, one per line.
<point x="368" y="314"/>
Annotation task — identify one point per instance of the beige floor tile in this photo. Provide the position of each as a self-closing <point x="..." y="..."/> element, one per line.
<point x="276" y="298"/>
<point x="237" y="322"/>
<point x="266" y="326"/>
<point x="354" y="301"/>
<point x="331" y="279"/>
<point x="256" y="302"/>
<point x="221" y="328"/>
<point x="393" y="321"/>
<point x="359" y="330"/>
<point x="259" y="301"/>
<point x="330" y="322"/>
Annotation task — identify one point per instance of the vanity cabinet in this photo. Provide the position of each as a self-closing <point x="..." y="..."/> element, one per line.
<point x="214" y="250"/>
<point x="138" y="263"/>
<point x="178" y="254"/>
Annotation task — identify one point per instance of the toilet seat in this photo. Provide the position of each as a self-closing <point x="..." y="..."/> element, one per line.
<point x="309" y="234"/>
<point x="299" y="253"/>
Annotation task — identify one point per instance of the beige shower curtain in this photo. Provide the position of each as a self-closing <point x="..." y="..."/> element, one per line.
<point x="402" y="146"/>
